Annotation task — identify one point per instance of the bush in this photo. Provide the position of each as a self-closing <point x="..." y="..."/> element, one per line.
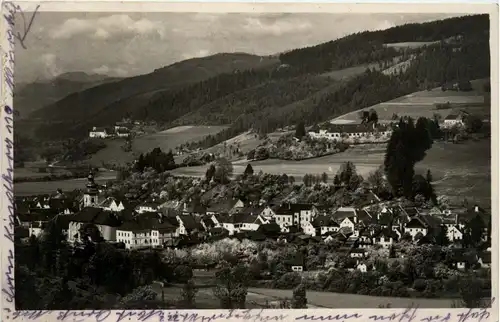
<point x="289" y="280"/>
<point x="419" y="285"/>
<point x="182" y="274"/>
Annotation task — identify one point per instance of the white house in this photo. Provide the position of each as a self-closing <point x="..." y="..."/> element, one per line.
<point x="98" y="132"/>
<point x="416" y="226"/>
<point x="362" y="267"/>
<point x="112" y="204"/>
<point x="353" y="133"/>
<point x="148" y="207"/>
<point x="454" y="233"/>
<point x="385" y="238"/>
<point x="453" y="120"/>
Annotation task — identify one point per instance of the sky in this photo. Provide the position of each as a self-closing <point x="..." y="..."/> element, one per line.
<point x="128" y="44"/>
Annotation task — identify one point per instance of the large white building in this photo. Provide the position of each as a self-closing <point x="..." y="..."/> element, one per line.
<point x="353" y="133"/>
<point x="99" y="132"/>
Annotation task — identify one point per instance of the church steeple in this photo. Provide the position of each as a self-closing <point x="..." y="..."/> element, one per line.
<point x="91" y="198"/>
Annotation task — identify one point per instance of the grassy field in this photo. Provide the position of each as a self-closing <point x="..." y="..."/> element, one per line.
<point x="422" y="104"/>
<point x="257" y="297"/>
<point x="47" y="187"/>
<point x="33" y="173"/>
<point x="165" y="140"/>
<point x="459" y="170"/>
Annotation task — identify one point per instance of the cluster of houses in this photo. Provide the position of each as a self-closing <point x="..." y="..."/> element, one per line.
<point x="173" y="224"/>
<point x="351" y="132"/>
<point x="121" y="130"/>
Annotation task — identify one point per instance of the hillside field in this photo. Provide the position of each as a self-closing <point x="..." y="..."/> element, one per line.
<point x="165" y="140"/>
<point x="422" y="104"/>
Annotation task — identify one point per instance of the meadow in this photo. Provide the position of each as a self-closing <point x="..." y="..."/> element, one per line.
<point x="165" y="140"/>
<point x="48" y="187"/>
<point x="257" y="297"/>
<point x="422" y="104"/>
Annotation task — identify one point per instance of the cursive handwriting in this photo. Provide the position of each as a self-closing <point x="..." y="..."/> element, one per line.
<point x="338" y="317"/>
<point x="261" y="315"/>
<point x="27" y="23"/>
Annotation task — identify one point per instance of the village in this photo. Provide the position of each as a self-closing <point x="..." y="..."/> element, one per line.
<point x="356" y="229"/>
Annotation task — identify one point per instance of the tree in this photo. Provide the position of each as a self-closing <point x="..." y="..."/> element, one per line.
<point x="188" y="295"/>
<point x="232" y="286"/>
<point x="143" y="296"/>
<point x="473" y="123"/>
<point x="223" y="170"/>
<point x="346" y="171"/>
<point x="429" y="176"/>
<point x="300" y="130"/>
<point x="336" y="180"/>
<point x="442" y="236"/>
<point x="248" y="171"/>
<point x="210" y="172"/>
<point x="251" y="155"/>
<point x="471" y="292"/>
<point x="299" y="300"/>
<point x="324" y="177"/>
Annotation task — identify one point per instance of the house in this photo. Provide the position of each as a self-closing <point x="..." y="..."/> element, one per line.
<point x="147" y="231"/>
<point x="296" y="264"/>
<point x="323" y="224"/>
<point x="385" y="238"/>
<point x="112" y="204"/>
<point x="358" y="253"/>
<point x="225" y="207"/>
<point x="454" y="233"/>
<point x="416" y="226"/>
<point x="453" y="120"/>
<point x="195" y="209"/>
<point x="122" y="132"/>
<point x="188" y="225"/>
<point x="362" y="267"/>
<point x="301" y="213"/>
<point x="105" y="221"/>
<point x="98" y="132"/>
<point x="148" y="207"/>
<point x="367" y="132"/>
<point x="284" y="217"/>
<point x="251" y="222"/>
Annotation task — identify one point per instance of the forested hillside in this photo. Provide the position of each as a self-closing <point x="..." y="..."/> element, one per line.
<point x="265" y="96"/>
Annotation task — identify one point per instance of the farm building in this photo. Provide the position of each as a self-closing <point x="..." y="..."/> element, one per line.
<point x="453" y="120"/>
<point x="99" y="132"/>
<point x="346" y="132"/>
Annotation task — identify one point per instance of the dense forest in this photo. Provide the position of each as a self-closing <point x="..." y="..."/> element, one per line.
<point x="300" y="89"/>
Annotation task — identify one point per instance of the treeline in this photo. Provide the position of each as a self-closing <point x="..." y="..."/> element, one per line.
<point x="361" y="48"/>
<point x="431" y="67"/>
<point x="156" y="159"/>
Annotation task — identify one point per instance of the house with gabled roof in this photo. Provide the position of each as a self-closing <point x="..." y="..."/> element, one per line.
<point x="416" y="226"/>
<point x="99" y="132"/>
<point x="323" y="224"/>
<point x="112" y="204"/>
<point x="105" y="221"/>
<point x="188" y="225"/>
<point x="225" y="207"/>
<point x="452" y="120"/>
<point x="385" y="238"/>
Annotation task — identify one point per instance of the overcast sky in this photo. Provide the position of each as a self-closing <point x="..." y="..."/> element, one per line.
<point x="125" y="44"/>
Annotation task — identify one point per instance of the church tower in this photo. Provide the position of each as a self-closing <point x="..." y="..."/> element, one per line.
<point x="91" y="195"/>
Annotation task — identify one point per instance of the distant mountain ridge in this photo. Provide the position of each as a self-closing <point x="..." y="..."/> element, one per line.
<point x="29" y="97"/>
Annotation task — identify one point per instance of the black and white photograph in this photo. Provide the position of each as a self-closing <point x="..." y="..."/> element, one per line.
<point x="253" y="160"/>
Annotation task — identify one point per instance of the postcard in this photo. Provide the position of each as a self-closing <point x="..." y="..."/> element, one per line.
<point x="249" y="162"/>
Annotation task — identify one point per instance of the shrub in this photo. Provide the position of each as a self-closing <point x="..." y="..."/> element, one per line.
<point x="289" y="280"/>
<point x="419" y="285"/>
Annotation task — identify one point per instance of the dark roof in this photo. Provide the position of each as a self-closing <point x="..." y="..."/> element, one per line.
<point x="99" y="129"/>
<point x="195" y="209"/>
<point x="189" y="222"/>
<point x="297" y="260"/>
<point x="452" y="117"/>
<point x="290" y="208"/>
<point x="386" y="233"/>
<point x="251" y="210"/>
<point x="344" y="212"/>
<point x="323" y="221"/>
<point x="96" y="216"/>
<point x="417" y="222"/>
<point x="224" y="206"/>
<point x="431" y="221"/>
